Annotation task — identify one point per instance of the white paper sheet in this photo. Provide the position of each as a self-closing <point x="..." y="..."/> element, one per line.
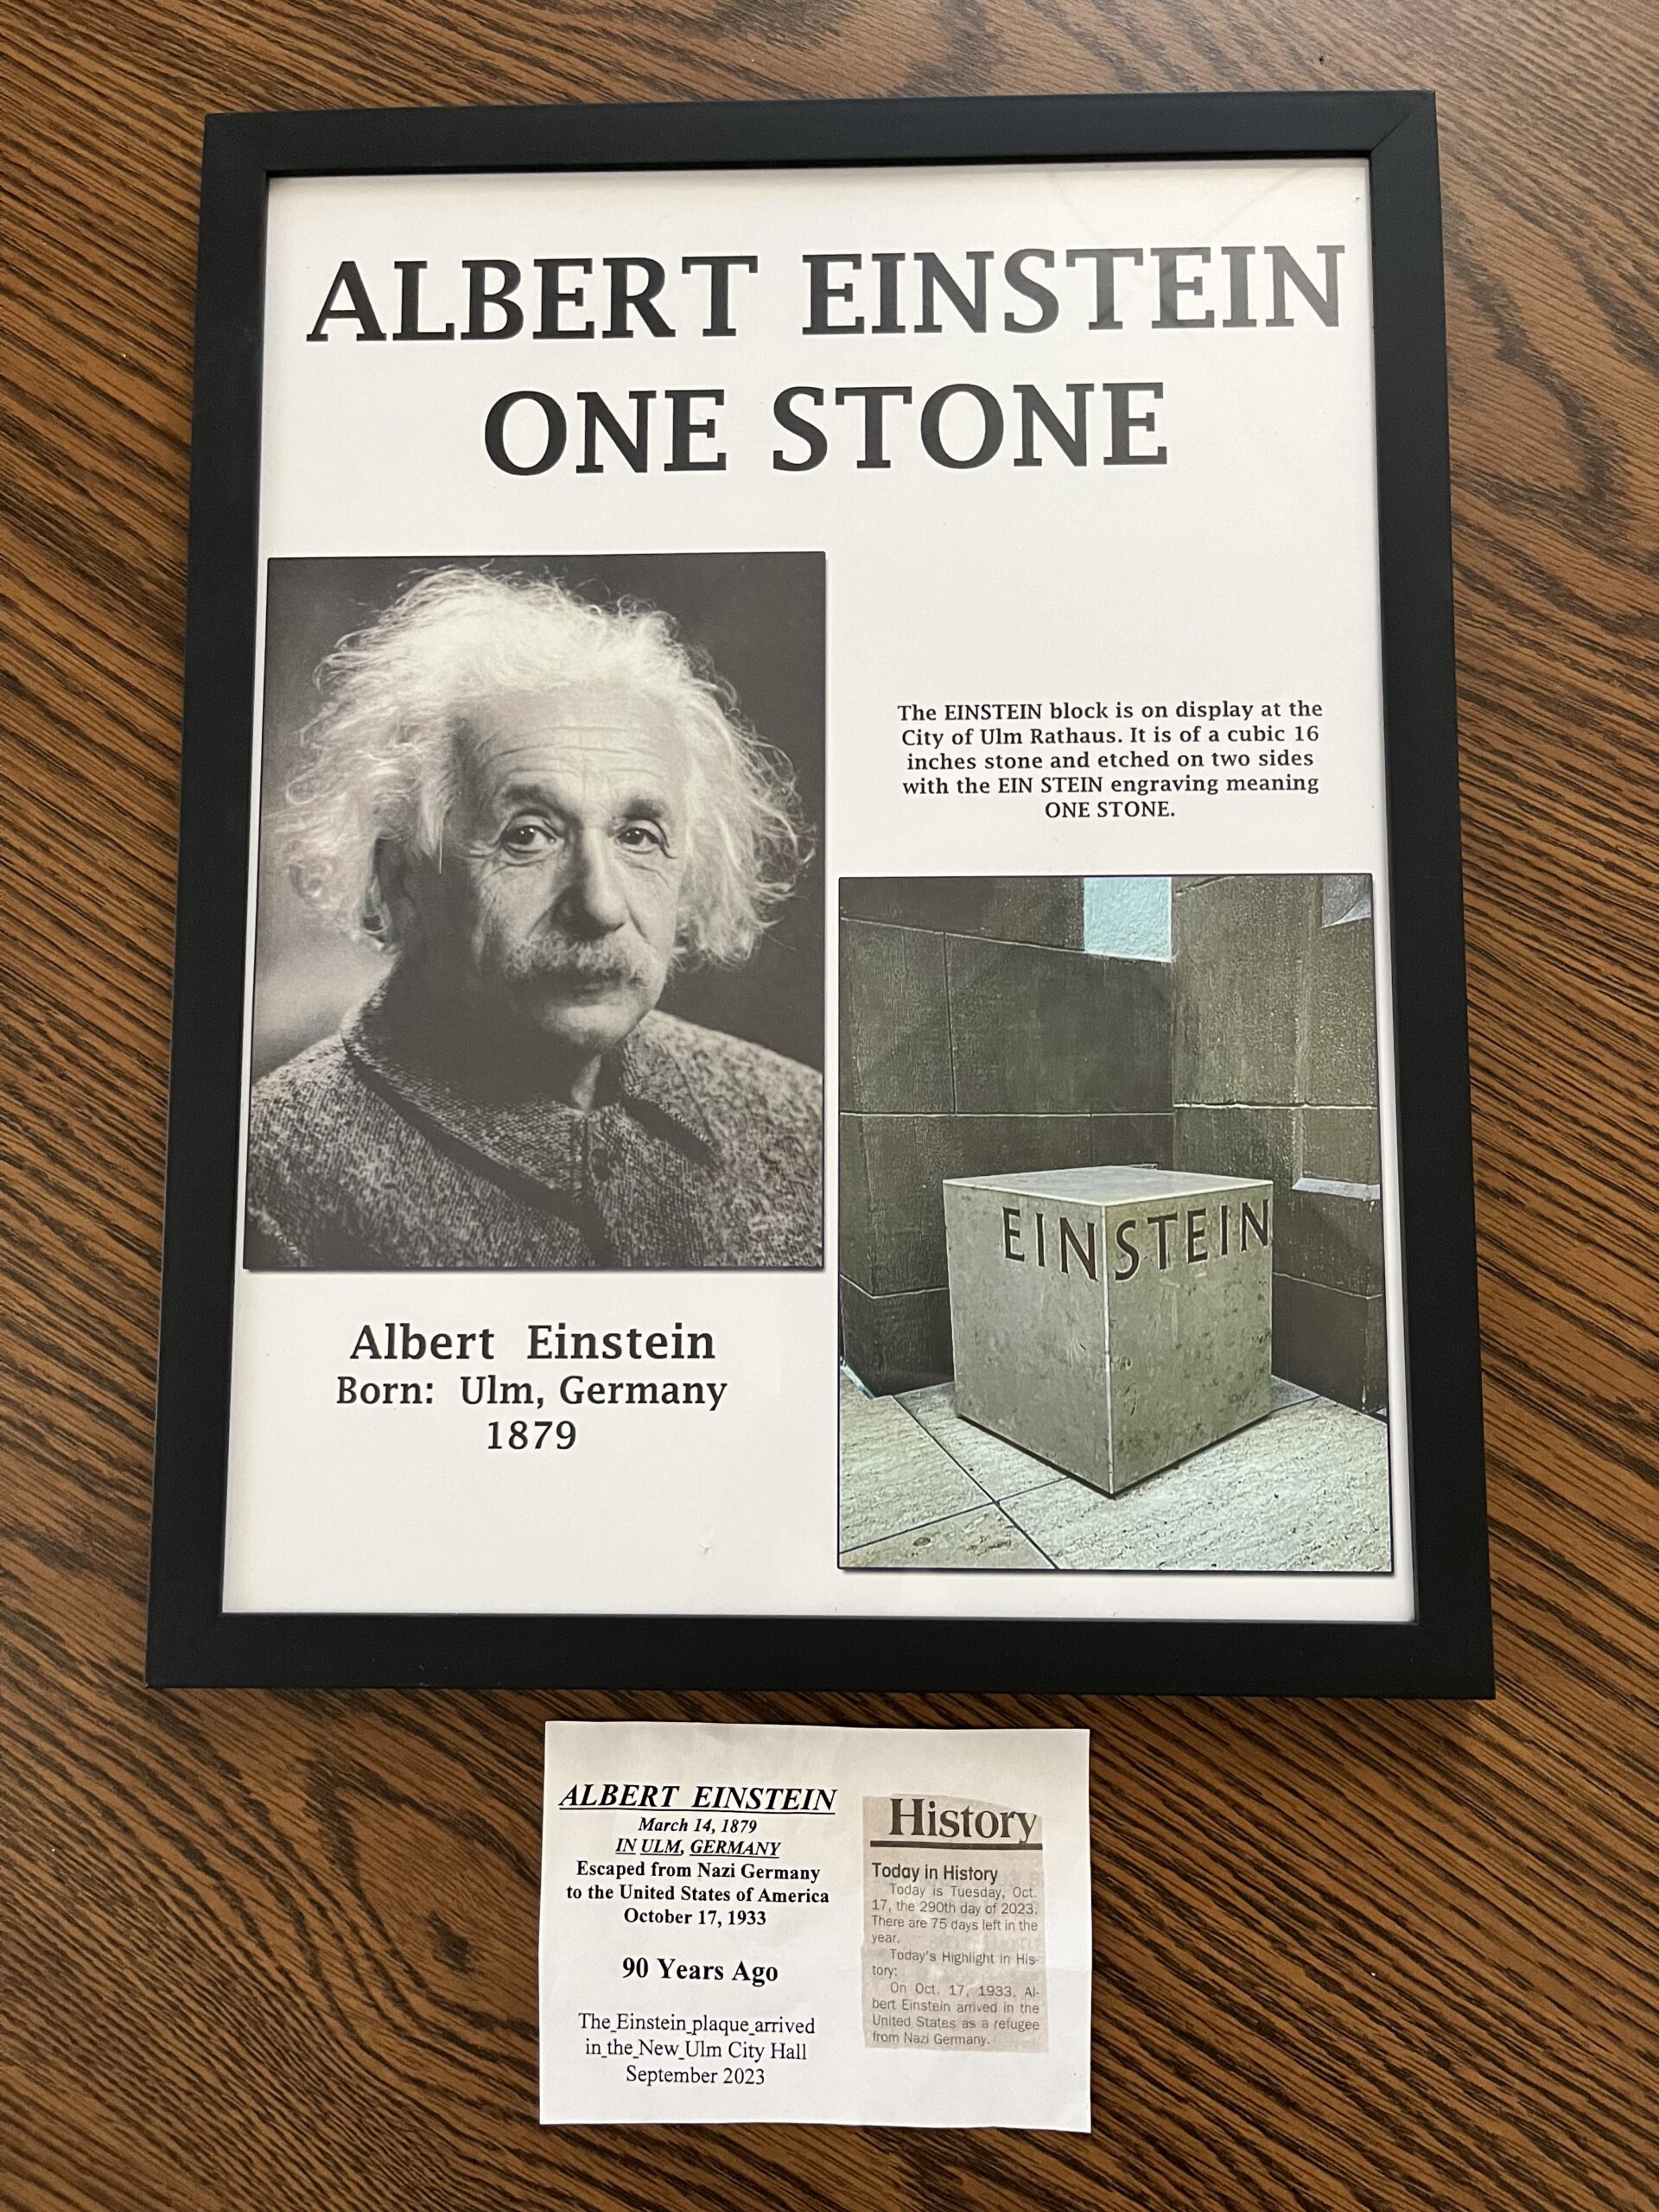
<point x="888" y="1926"/>
<point x="1039" y="601"/>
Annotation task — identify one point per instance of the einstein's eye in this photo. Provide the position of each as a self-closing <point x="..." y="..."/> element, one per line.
<point x="641" y="837"/>
<point x="526" y="838"/>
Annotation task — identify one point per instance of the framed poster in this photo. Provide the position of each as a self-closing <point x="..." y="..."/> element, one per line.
<point x="819" y="1030"/>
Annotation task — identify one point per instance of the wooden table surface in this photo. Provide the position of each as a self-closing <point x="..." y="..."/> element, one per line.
<point x="279" y="1950"/>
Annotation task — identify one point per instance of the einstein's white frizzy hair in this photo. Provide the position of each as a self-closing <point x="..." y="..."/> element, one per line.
<point x="379" y="756"/>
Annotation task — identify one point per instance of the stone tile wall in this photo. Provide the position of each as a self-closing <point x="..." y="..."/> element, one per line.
<point x="977" y="1038"/>
<point x="1274" y="1074"/>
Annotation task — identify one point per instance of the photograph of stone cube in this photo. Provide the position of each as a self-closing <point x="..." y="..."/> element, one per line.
<point x="1111" y="1225"/>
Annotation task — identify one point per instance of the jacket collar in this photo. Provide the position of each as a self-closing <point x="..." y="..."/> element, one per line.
<point x="540" y="1137"/>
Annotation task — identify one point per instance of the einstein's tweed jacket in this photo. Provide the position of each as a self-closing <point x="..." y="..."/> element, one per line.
<point x="703" y="1151"/>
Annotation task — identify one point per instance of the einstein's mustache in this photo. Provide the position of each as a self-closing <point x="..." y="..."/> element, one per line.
<point x="582" y="967"/>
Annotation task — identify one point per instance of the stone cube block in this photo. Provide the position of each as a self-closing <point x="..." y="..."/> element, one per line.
<point x="1110" y="1320"/>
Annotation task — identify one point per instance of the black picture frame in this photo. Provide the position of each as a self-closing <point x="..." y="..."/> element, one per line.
<point x="1445" y="1650"/>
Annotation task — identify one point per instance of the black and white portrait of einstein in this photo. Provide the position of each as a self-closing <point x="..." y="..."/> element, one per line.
<point x="536" y="809"/>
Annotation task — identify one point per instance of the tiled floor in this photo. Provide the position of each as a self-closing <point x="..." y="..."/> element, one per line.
<point x="1306" y="1491"/>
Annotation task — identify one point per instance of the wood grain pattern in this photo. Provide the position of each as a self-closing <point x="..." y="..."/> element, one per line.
<point x="262" y="1950"/>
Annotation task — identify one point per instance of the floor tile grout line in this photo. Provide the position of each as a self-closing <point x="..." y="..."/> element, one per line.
<point x="933" y="1438"/>
<point x="995" y="1504"/>
<point x="1016" y="1526"/>
<point x="1020" y="1527"/>
<point x="909" y="1529"/>
<point x="916" y="1528"/>
<point x="1054" y="1475"/>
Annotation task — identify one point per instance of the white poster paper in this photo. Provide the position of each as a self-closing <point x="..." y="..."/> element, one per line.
<point x="785" y="695"/>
